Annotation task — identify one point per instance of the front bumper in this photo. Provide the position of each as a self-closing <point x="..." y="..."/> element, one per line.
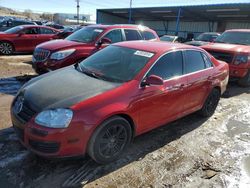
<point x="49" y="142"/>
<point x="237" y="72"/>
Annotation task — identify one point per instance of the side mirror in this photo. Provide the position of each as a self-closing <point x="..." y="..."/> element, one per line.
<point x="152" y="80"/>
<point x="104" y="41"/>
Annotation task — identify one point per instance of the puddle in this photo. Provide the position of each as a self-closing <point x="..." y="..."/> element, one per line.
<point x="10" y="85"/>
<point x="13" y="84"/>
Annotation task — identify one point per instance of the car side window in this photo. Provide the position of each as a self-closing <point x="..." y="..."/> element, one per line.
<point x="193" y="61"/>
<point x="132" y="35"/>
<point x="168" y="66"/>
<point x="207" y="61"/>
<point x="114" y="36"/>
<point x="148" y="35"/>
<point x="31" y="31"/>
<point x="46" y="31"/>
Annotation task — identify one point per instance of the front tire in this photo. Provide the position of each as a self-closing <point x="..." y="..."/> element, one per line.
<point x="245" y="81"/>
<point x="109" y="140"/>
<point x="6" y="48"/>
<point x="210" y="104"/>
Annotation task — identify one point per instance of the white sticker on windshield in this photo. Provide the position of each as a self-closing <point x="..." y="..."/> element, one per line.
<point x="143" y="53"/>
<point x="98" y="30"/>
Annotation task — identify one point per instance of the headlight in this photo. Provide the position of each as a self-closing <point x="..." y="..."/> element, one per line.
<point x="241" y="59"/>
<point x="57" y="118"/>
<point x="62" y="54"/>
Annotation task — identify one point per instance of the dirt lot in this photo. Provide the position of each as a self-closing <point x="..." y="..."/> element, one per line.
<point x="191" y="152"/>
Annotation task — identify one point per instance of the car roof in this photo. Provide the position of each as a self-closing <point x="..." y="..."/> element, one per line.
<point x="132" y="26"/>
<point x="239" y="30"/>
<point x="155" y="46"/>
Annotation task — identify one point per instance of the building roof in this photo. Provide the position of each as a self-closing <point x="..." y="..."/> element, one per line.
<point x="191" y="10"/>
<point x="174" y="3"/>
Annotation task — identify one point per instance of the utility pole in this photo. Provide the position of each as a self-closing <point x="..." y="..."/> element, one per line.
<point x="78" y="10"/>
<point x="130" y="12"/>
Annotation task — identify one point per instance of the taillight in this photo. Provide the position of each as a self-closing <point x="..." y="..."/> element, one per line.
<point x="241" y="59"/>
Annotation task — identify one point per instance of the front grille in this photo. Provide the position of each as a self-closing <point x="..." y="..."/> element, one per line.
<point x="227" y="57"/>
<point x="19" y="132"/>
<point x="25" y="113"/>
<point x="44" y="147"/>
<point x="40" y="55"/>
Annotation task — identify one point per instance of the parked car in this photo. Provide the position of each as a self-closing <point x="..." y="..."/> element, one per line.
<point x="83" y="43"/>
<point x="171" y="38"/>
<point x="203" y="39"/>
<point x="10" y="23"/>
<point x="233" y="47"/>
<point x="68" y="31"/>
<point x="56" y="26"/>
<point x="124" y="90"/>
<point x="25" y="38"/>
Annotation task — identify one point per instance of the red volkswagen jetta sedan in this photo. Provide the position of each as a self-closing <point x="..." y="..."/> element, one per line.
<point x="25" y="38"/>
<point x="129" y="88"/>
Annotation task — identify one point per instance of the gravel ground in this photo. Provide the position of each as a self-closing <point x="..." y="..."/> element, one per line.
<point x="190" y="152"/>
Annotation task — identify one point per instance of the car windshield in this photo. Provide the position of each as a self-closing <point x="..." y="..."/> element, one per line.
<point x="115" y="64"/>
<point x="234" y="37"/>
<point x="85" y="35"/>
<point x="14" y="30"/>
<point x="167" y="38"/>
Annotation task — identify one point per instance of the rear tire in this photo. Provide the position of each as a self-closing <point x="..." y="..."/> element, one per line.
<point x="211" y="103"/>
<point x="109" y="140"/>
<point x="245" y="81"/>
<point x="6" y="48"/>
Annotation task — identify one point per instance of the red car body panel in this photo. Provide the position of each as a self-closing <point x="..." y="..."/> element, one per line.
<point x="236" y="71"/>
<point x="27" y="42"/>
<point x="145" y="107"/>
<point x="82" y="50"/>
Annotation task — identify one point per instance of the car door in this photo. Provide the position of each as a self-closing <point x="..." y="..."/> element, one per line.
<point x="199" y="76"/>
<point x="24" y="41"/>
<point x="162" y="104"/>
<point x="45" y="34"/>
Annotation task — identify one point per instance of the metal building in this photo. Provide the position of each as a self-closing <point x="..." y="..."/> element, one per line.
<point x="183" y="17"/>
<point x="63" y="18"/>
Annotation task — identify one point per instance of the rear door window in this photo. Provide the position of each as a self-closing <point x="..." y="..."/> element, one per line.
<point x="132" y="34"/>
<point x="168" y="66"/>
<point x="114" y="36"/>
<point x="193" y="61"/>
<point x="31" y="31"/>
<point x="46" y="31"/>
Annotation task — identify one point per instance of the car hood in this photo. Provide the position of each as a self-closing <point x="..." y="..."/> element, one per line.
<point x="55" y="45"/>
<point x="196" y="43"/>
<point x="232" y="48"/>
<point x="62" y="89"/>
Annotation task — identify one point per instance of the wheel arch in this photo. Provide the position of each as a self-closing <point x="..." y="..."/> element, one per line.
<point x="14" y="48"/>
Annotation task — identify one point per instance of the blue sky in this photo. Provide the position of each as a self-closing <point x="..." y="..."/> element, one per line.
<point x="90" y="6"/>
